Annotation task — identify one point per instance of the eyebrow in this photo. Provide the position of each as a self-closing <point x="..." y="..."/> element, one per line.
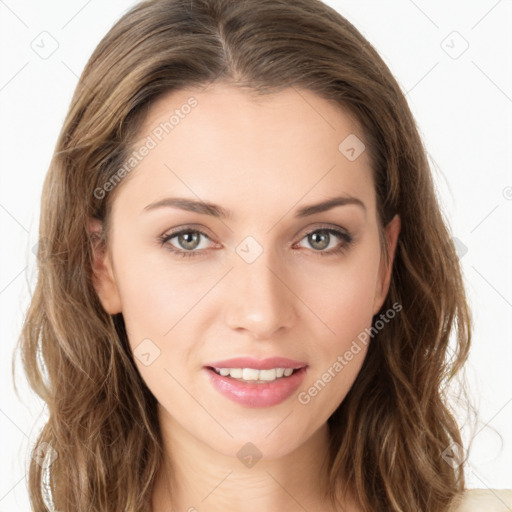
<point x="215" y="210"/>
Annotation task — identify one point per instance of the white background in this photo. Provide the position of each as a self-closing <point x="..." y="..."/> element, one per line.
<point x="463" y="106"/>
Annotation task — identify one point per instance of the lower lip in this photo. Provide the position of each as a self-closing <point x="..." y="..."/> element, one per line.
<point x="251" y="394"/>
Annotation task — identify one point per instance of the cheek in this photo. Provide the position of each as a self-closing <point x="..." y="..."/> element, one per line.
<point x="156" y="294"/>
<point x="342" y="297"/>
<point x="158" y="305"/>
<point x="163" y="303"/>
<point x="345" y="306"/>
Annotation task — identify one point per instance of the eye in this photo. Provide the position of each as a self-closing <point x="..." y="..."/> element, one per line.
<point x="187" y="239"/>
<point x="321" y="239"/>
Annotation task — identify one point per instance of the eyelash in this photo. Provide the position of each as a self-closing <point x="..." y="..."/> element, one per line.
<point x="345" y="236"/>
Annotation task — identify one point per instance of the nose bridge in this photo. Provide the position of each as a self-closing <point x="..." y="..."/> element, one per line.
<point x="259" y="301"/>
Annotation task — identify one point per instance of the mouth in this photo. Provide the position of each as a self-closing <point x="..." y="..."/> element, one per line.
<point x="253" y="387"/>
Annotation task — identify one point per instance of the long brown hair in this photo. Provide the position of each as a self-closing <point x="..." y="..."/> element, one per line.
<point x="102" y="440"/>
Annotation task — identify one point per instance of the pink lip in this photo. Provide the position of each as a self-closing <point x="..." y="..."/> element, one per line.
<point x="257" y="364"/>
<point x="252" y="394"/>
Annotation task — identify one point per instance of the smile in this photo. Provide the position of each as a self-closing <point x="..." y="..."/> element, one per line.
<point x="256" y="388"/>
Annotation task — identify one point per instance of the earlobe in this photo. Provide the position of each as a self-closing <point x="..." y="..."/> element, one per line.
<point x="392" y="231"/>
<point x="103" y="276"/>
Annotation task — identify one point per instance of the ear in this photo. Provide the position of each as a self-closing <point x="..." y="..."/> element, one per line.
<point x="391" y="233"/>
<point x="103" y="276"/>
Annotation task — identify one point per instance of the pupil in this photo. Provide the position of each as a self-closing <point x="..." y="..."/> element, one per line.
<point x="190" y="240"/>
<point x="320" y="235"/>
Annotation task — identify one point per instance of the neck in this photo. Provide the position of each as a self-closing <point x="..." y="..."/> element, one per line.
<point x="197" y="476"/>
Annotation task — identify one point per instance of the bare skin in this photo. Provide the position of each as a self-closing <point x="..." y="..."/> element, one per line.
<point x="263" y="159"/>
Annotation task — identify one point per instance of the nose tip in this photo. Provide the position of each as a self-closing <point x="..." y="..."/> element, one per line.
<point x="259" y="302"/>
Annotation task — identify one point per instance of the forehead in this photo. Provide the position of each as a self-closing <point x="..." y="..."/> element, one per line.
<point x="224" y="144"/>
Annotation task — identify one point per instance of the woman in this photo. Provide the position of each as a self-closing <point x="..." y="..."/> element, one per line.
<point x="246" y="287"/>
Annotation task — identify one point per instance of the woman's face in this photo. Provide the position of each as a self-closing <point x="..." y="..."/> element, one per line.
<point x="261" y="275"/>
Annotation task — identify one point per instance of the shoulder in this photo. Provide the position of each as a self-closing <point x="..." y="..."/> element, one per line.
<point x="488" y="500"/>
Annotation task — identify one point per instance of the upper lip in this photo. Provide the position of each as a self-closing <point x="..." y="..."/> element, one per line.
<point x="257" y="364"/>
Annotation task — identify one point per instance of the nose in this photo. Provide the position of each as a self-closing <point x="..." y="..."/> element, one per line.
<point x="259" y="298"/>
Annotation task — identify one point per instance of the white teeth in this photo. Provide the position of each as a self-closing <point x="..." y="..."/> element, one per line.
<point x="236" y="373"/>
<point x="252" y="374"/>
<point x="266" y="374"/>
